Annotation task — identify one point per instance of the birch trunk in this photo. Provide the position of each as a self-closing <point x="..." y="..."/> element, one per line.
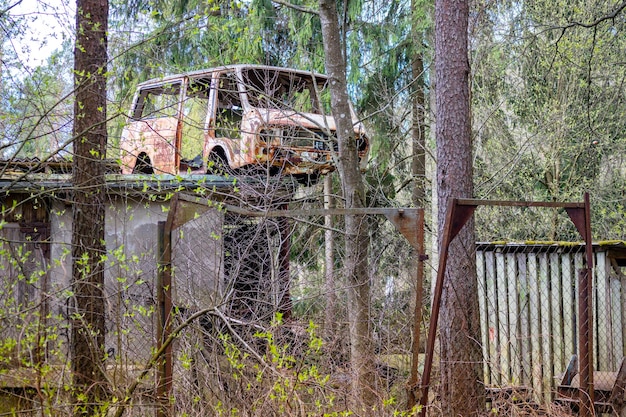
<point x="356" y="231"/>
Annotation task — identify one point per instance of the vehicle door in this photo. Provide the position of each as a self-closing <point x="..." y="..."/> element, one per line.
<point x="225" y="122"/>
<point x="195" y="123"/>
<point x="154" y="131"/>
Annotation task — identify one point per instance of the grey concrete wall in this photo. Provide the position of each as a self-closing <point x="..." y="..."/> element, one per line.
<point x="131" y="231"/>
<point x="197" y="259"/>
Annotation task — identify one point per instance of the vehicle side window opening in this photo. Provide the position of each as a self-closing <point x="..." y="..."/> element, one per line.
<point x="263" y="88"/>
<point x="284" y="90"/>
<point x="298" y="94"/>
<point x="229" y="108"/>
<point x="157" y="102"/>
<point x="195" y="109"/>
<point x="323" y="94"/>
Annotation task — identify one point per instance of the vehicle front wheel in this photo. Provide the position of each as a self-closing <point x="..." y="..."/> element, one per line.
<point x="308" y="179"/>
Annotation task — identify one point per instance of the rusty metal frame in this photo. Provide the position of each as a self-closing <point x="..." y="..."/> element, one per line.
<point x="181" y="211"/>
<point x="458" y="212"/>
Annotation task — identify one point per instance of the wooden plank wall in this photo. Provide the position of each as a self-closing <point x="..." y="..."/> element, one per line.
<point x="528" y="311"/>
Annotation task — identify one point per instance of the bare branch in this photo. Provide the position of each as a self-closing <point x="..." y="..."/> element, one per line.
<point x="152" y="361"/>
<point x="296" y="7"/>
<point x="8" y="9"/>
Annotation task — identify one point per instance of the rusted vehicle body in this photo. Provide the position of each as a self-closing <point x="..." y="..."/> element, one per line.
<point x="240" y="118"/>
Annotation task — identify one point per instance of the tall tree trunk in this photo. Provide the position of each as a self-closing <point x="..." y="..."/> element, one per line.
<point x="356" y="233"/>
<point x="462" y="392"/>
<point x="418" y="195"/>
<point x="88" y="326"/>
<point x="418" y="103"/>
<point x="330" y="315"/>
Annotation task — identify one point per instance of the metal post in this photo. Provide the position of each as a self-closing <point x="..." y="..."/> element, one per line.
<point x="586" y="385"/>
<point x="457" y="214"/>
<point x="164" y="301"/>
<point x="434" y="315"/>
<point x="417" y="315"/>
<point x="584" y="347"/>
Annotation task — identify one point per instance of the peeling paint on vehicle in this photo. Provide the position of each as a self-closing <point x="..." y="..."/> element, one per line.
<point x="240" y="116"/>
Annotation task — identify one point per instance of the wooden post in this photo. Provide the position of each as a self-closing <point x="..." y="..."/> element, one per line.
<point x="330" y="315"/>
<point x="284" y="279"/>
<point x="164" y="301"/>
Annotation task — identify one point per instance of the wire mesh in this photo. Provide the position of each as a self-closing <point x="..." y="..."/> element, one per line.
<point x="240" y="355"/>
<point x="528" y="300"/>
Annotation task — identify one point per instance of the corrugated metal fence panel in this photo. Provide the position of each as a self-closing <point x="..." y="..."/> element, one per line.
<point x="543" y="311"/>
<point x="528" y="311"/>
<point x="535" y="336"/>
<point x="484" y="325"/>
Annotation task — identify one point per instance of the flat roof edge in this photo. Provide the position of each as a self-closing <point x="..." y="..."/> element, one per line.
<point x="206" y="71"/>
<point x="539" y="246"/>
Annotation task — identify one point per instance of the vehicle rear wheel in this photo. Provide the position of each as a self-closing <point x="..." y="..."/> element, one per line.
<point x="217" y="164"/>
<point x="143" y="165"/>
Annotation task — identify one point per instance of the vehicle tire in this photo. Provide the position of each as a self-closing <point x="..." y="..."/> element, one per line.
<point x="143" y="165"/>
<point x="308" y="179"/>
<point x="217" y="164"/>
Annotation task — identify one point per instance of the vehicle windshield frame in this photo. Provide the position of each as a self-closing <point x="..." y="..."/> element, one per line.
<point x="288" y="91"/>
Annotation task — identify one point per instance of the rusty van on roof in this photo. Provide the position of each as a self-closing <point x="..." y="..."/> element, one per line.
<point x="239" y="118"/>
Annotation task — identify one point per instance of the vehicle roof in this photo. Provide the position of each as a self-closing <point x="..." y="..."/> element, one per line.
<point x="236" y="67"/>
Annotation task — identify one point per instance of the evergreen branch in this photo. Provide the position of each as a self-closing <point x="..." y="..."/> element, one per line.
<point x="296" y="7"/>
